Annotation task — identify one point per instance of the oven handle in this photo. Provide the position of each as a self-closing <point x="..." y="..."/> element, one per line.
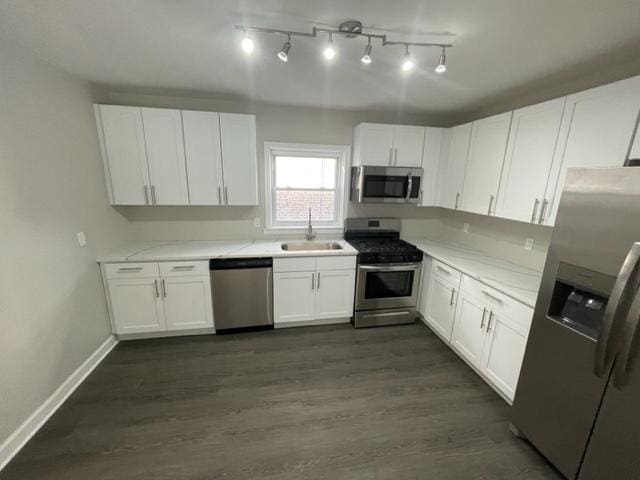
<point x="391" y="268"/>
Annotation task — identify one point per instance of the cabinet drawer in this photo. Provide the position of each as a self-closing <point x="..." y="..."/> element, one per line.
<point x="336" y="263"/>
<point x="500" y="303"/>
<point x="131" y="270"/>
<point x="183" y="269"/>
<point x="297" y="264"/>
<point x="445" y="272"/>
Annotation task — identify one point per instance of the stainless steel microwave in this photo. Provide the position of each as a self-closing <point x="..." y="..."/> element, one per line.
<point x="385" y="184"/>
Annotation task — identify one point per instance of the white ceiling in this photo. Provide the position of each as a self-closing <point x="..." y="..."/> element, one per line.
<point x="500" y="46"/>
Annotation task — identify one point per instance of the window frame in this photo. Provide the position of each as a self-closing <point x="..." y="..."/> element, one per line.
<point x="274" y="149"/>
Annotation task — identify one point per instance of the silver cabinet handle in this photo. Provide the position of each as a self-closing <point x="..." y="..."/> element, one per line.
<point x="145" y="189"/>
<point x="443" y="269"/>
<point x="484" y="313"/>
<point x="395" y="156"/>
<point x="493" y="297"/>
<point x="391" y="156"/>
<point x="219" y="196"/>
<point x="455" y="206"/>
<point x="129" y="269"/>
<point x="318" y="285"/>
<point x="543" y="211"/>
<point x="313" y="281"/>
<point x="607" y="346"/>
<point x="164" y="289"/>
<point x="155" y="284"/>
<point x="491" y="199"/>
<point x="534" y="214"/>
<point x="226" y="195"/>
<point x="453" y="294"/>
<point x="183" y="268"/>
<point x="153" y="194"/>
<point x="489" y="322"/>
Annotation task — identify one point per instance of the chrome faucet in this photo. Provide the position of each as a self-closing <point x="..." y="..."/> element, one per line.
<point x="310" y="233"/>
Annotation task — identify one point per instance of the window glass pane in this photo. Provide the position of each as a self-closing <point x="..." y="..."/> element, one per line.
<point x="305" y="172"/>
<point x="293" y="205"/>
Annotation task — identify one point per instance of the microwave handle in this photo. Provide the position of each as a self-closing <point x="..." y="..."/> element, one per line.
<point x="409" y="185"/>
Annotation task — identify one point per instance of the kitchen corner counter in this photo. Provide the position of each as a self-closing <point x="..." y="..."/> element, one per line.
<point x="205" y="250"/>
<point x="518" y="282"/>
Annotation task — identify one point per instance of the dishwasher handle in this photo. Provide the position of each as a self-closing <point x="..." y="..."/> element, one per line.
<point x="238" y="263"/>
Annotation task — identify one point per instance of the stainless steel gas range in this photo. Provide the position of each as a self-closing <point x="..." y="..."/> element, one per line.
<point x="388" y="276"/>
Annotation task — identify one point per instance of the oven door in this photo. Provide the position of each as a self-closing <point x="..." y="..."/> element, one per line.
<point x="387" y="286"/>
<point x="386" y="184"/>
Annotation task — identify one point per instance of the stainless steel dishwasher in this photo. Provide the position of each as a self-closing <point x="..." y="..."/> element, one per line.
<point x="242" y="292"/>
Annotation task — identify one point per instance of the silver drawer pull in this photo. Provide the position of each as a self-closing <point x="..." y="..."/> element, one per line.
<point x="493" y="297"/>
<point x="484" y="313"/>
<point x="534" y="214"/>
<point x="184" y="267"/>
<point x="453" y="296"/>
<point x="443" y="269"/>
<point x="491" y="198"/>
<point x="164" y="289"/>
<point x="130" y="269"/>
<point x="155" y="284"/>
<point x="543" y="211"/>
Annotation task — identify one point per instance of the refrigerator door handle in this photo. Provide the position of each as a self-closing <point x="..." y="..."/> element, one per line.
<point x="607" y="343"/>
<point x="621" y="374"/>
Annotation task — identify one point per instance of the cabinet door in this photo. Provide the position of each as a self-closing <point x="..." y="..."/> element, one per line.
<point x="634" y="154"/>
<point x="136" y="305"/>
<point x="293" y="296"/>
<point x="125" y="156"/>
<point x="530" y="151"/>
<point x="374" y="144"/>
<point x="597" y="128"/>
<point x="408" y="144"/>
<point x="431" y="157"/>
<point x="187" y="302"/>
<point x="165" y="151"/>
<point x="484" y="166"/>
<point x="468" y="330"/>
<point x="203" y="157"/>
<point x="503" y="354"/>
<point x="334" y="293"/>
<point x="441" y="306"/>
<point x="454" y="167"/>
<point x="238" y="141"/>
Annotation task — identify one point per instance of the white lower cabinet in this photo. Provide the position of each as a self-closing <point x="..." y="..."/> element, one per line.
<point x="485" y="327"/>
<point x="304" y="290"/>
<point x="159" y="297"/>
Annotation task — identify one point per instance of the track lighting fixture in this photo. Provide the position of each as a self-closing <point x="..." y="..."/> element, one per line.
<point x="247" y="44"/>
<point x="329" y="51"/>
<point x="366" y="58"/>
<point x="350" y="29"/>
<point x="408" y="64"/>
<point x="284" y="53"/>
<point x="441" y="68"/>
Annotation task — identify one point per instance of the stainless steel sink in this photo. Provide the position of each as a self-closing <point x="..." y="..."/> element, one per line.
<point x="300" y="246"/>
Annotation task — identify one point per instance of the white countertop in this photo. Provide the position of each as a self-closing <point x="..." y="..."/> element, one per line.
<point x="518" y="282"/>
<point x="204" y="250"/>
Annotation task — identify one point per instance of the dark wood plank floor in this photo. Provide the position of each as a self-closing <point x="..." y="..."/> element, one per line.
<point x="306" y="403"/>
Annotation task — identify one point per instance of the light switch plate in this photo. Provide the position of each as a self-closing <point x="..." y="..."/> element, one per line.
<point x="256" y="222"/>
<point x="82" y="239"/>
<point x="528" y="244"/>
<point x="465" y="227"/>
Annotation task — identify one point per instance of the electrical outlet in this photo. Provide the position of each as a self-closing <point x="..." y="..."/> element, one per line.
<point x="256" y="222"/>
<point x="528" y="244"/>
<point x="465" y="227"/>
<point x="82" y="239"/>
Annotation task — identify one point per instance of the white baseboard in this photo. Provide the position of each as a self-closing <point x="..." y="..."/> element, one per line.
<point x="12" y="445"/>
<point x="310" y="323"/>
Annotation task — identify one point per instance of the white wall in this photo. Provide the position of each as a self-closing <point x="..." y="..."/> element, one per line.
<point x="52" y="308"/>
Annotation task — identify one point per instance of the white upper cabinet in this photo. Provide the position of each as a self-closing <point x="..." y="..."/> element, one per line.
<point x="203" y="156"/>
<point x="165" y="155"/>
<point x="530" y="152"/>
<point x="238" y="145"/>
<point x="125" y="158"/>
<point x="596" y="131"/>
<point x="453" y="166"/>
<point x="408" y="146"/>
<point x="434" y="141"/>
<point x="385" y="145"/>
<point x="484" y="165"/>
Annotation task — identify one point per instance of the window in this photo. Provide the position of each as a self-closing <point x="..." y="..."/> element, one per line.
<point x="304" y="177"/>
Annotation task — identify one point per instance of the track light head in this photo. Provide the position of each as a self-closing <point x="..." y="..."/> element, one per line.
<point x="408" y="64"/>
<point x="441" y="68"/>
<point x="329" y="51"/>
<point x="366" y="58"/>
<point x="284" y="53"/>
<point x="247" y="44"/>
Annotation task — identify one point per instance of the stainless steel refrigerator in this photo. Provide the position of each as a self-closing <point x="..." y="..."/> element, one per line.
<point x="578" y="396"/>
